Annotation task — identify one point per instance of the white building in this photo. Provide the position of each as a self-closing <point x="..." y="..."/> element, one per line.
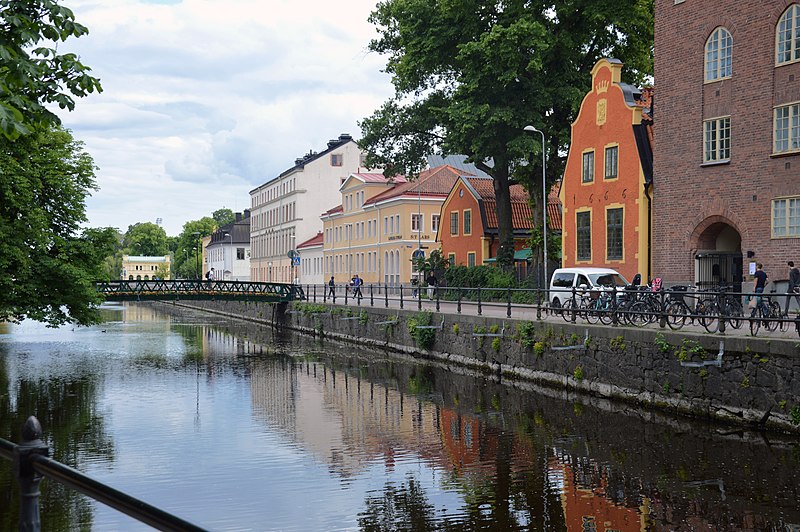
<point x="229" y="250"/>
<point x="311" y="269"/>
<point x="285" y="211"/>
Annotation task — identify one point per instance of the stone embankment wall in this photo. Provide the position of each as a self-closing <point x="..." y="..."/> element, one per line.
<point x="753" y="381"/>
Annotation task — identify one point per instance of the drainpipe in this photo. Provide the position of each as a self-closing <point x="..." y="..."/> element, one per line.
<point x="649" y="231"/>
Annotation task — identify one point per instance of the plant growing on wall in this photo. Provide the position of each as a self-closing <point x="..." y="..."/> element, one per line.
<point x="424" y="338"/>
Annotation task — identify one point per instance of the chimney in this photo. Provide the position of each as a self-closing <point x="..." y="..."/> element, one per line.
<point x="238" y="217"/>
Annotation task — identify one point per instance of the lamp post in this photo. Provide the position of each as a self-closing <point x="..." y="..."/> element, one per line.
<point x="531" y="129"/>
<point x="197" y="254"/>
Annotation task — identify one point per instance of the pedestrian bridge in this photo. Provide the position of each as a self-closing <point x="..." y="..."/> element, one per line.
<point x="199" y="289"/>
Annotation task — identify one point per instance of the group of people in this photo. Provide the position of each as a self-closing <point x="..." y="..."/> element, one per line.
<point x="760" y="282"/>
<point x="357" y="282"/>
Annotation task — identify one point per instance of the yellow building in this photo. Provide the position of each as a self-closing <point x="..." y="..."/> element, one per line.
<point x="143" y="268"/>
<point x="381" y="222"/>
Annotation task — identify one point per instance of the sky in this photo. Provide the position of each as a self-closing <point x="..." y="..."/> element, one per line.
<point x="204" y="100"/>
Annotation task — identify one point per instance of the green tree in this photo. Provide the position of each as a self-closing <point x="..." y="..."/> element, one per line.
<point x="146" y="238"/>
<point x="187" y="258"/>
<point x="34" y="75"/>
<point x="49" y="265"/>
<point x="223" y="216"/>
<point x="469" y="75"/>
<point x="435" y="262"/>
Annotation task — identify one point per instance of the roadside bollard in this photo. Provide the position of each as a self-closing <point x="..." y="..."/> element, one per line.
<point x="28" y="478"/>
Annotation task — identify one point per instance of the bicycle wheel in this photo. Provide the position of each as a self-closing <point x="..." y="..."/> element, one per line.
<point x="775" y="311"/>
<point x="734" y="312"/>
<point x="592" y="314"/>
<point x="755" y="321"/>
<point x="639" y="314"/>
<point x="676" y="314"/>
<point x="566" y="310"/>
<point x="606" y="312"/>
<point x="709" y="315"/>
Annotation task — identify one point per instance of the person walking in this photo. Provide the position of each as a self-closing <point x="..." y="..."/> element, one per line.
<point x="794" y="286"/>
<point x="431" y="280"/>
<point x="357" y="282"/>
<point x="759" y="283"/>
<point x="332" y="289"/>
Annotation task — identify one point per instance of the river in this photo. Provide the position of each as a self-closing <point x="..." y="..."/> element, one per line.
<point x="234" y="426"/>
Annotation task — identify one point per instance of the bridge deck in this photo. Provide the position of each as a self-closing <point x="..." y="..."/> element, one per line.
<point x="198" y="289"/>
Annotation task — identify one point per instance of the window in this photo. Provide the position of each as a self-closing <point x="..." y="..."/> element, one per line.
<point x="454" y="223"/>
<point x="435" y="223"/>
<point x="385" y="225"/>
<point x="451" y="259"/>
<point x="612" y="156"/>
<point x="583" y="223"/>
<point x="719" y="55"/>
<point x="614" y="234"/>
<point x="336" y="159"/>
<point x="588" y="167"/>
<point x="239" y="253"/>
<point x="471" y="258"/>
<point x="416" y="223"/>
<point x="786" y="217"/>
<point x="467" y="222"/>
<point x="787" y="128"/>
<point x="717" y="143"/>
<point x="788" y="35"/>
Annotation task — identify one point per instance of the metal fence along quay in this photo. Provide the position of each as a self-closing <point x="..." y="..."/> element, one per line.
<point x="717" y="311"/>
<point x="199" y="289"/>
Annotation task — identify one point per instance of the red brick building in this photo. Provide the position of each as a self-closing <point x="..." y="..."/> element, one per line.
<point x="727" y="158"/>
<point x="606" y="192"/>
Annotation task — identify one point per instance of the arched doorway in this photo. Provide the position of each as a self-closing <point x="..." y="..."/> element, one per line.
<point x="718" y="259"/>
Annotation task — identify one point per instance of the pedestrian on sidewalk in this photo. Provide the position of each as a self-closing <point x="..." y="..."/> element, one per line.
<point x="794" y="286"/>
<point x="431" y="280"/>
<point x="332" y="289"/>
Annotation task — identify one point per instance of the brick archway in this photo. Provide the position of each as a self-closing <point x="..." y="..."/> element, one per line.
<point x="704" y="235"/>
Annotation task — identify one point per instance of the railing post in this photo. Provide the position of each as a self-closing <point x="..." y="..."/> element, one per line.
<point x="574" y="306"/>
<point x="419" y="296"/>
<point x="614" y="306"/>
<point x="722" y="314"/>
<point x="437" y="298"/>
<point x="386" y="294"/>
<point x="662" y="309"/>
<point x="508" y="299"/>
<point x="401" y="296"/>
<point x="28" y="478"/>
<point x="371" y="297"/>
<point x="346" y="292"/>
<point x="539" y="305"/>
<point x="479" y="301"/>
<point x="459" y="299"/>
<point x="315" y="293"/>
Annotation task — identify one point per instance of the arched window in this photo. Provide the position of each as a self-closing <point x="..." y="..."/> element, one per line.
<point x="719" y="55"/>
<point x="787" y="36"/>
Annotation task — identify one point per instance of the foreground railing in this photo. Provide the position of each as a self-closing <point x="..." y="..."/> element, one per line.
<point x="715" y="311"/>
<point x="32" y="463"/>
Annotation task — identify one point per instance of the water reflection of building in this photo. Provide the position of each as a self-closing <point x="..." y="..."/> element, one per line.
<point x="586" y="499"/>
<point x="134" y="313"/>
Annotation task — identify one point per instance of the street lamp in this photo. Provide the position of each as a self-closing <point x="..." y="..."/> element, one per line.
<point x="197" y="253"/>
<point x="531" y="129"/>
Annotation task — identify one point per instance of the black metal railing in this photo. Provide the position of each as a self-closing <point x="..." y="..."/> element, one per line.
<point x="32" y="463"/>
<point x="127" y="290"/>
<point x="714" y="310"/>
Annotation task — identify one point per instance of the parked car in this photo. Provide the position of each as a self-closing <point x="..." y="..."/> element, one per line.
<point x="565" y="279"/>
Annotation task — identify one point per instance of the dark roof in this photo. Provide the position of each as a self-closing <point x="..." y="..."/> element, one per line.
<point x="240" y="231"/>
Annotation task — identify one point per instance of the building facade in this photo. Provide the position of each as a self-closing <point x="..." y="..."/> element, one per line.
<point x="311" y="270"/>
<point x="607" y="189"/>
<point x="285" y="210"/>
<point x="228" y="251"/>
<point x="144" y="268"/>
<point x="381" y="223"/>
<point x="728" y="139"/>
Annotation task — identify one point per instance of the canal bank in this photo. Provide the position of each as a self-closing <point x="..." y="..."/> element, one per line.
<point x="740" y="380"/>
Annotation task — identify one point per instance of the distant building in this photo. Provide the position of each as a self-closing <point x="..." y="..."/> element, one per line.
<point x="311" y="269"/>
<point x="144" y="268"/>
<point x="285" y="210"/>
<point x="607" y="189"/>
<point x="228" y="251"/>
<point x="728" y="140"/>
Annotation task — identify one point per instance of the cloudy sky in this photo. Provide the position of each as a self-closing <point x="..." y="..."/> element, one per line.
<point x="204" y="100"/>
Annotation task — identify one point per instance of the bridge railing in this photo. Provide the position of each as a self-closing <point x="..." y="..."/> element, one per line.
<point x="32" y="463"/>
<point x="199" y="287"/>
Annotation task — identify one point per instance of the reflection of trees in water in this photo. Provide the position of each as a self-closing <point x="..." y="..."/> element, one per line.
<point x="399" y="507"/>
<point x="74" y="431"/>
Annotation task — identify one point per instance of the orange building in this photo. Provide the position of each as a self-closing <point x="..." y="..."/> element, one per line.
<point x="606" y="193"/>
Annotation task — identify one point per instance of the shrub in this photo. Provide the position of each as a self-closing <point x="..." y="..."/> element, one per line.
<point x="424" y="338"/>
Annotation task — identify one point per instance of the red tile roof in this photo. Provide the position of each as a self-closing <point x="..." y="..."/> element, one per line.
<point x="432" y="182"/>
<point x="311" y="242"/>
<point x="521" y="213"/>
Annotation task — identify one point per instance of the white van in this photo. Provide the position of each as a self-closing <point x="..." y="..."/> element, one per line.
<point x="565" y="279"/>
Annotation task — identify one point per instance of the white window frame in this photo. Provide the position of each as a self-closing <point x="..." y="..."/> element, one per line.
<point x="719" y="55"/>
<point x="786" y="217"/>
<point x="417" y="223"/>
<point x="717" y="140"/>
<point x="587" y="167"/>
<point x="787" y="36"/>
<point x="786" y="128"/>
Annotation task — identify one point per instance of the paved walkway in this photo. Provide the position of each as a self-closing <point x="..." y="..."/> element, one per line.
<point x="526" y="312"/>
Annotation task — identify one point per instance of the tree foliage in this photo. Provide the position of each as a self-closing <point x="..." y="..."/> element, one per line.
<point x="146" y="238"/>
<point x="187" y="262"/>
<point x="48" y="263"/>
<point x="223" y="216"/>
<point x="33" y="72"/>
<point x="469" y="75"/>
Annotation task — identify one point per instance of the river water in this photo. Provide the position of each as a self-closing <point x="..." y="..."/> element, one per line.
<point x="234" y="426"/>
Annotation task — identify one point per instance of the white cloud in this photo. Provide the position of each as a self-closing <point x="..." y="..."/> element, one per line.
<point x="206" y="99"/>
